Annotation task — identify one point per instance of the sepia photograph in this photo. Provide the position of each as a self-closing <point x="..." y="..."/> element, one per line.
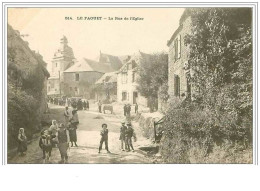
<point x="129" y="85"/>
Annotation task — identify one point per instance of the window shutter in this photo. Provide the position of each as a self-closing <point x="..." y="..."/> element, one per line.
<point x="176" y="85"/>
<point x="179" y="46"/>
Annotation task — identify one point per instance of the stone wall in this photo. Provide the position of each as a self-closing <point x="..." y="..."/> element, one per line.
<point x="177" y="67"/>
<point x="86" y="80"/>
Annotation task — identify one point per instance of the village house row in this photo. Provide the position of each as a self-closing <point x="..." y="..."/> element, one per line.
<point x="114" y="77"/>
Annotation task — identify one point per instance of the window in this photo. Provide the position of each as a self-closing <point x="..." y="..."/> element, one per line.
<point x="49" y="88"/>
<point x="56" y="65"/>
<point x="134" y="77"/>
<point x="177" y="48"/>
<point x="124" y="96"/>
<point x="70" y="88"/>
<point x="124" y="78"/>
<point x="76" y="77"/>
<point x="176" y="85"/>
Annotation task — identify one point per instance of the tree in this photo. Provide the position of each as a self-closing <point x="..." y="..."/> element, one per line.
<point x="221" y="75"/>
<point x="153" y="74"/>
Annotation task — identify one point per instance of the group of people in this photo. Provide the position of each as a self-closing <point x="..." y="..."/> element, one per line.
<point x="80" y="105"/>
<point x="127" y="133"/>
<point x="60" y="135"/>
<point x="127" y="109"/>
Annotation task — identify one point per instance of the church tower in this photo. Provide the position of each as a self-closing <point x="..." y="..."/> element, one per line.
<point x="63" y="58"/>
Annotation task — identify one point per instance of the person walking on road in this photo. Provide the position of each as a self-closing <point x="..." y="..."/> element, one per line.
<point x="74" y="121"/>
<point x="63" y="145"/>
<point x="129" y="134"/>
<point x="104" y="138"/>
<point x="22" y="142"/>
<point x="122" y="136"/>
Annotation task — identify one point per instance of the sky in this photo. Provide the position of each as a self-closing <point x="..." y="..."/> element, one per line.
<point x="46" y="26"/>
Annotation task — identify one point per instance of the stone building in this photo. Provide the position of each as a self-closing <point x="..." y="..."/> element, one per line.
<point x="126" y="81"/>
<point x="80" y="78"/>
<point x="62" y="60"/>
<point x="179" y="86"/>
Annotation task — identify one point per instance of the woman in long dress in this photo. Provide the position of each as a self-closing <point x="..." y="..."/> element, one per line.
<point x="22" y="142"/>
<point x="74" y="121"/>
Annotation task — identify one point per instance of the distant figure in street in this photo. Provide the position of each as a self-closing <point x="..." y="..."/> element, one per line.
<point x="22" y="142"/>
<point x="99" y="106"/>
<point x="136" y="108"/>
<point x="84" y="105"/>
<point x="54" y="130"/>
<point x="66" y="115"/>
<point x="104" y="138"/>
<point x="79" y="105"/>
<point x="125" y="109"/>
<point x="122" y="136"/>
<point x="63" y="145"/>
<point x="45" y="144"/>
<point x="74" y="121"/>
<point x="129" y="133"/>
<point x="128" y="109"/>
<point x="87" y="105"/>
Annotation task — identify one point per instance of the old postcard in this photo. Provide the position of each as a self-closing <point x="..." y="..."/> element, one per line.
<point x="129" y="85"/>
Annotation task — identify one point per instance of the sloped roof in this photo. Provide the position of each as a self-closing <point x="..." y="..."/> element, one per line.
<point x="110" y="77"/>
<point x="114" y="61"/>
<point x="135" y="58"/>
<point x="87" y="65"/>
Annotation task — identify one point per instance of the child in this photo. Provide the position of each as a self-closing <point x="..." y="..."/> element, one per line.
<point x="104" y="138"/>
<point x="45" y="144"/>
<point x="22" y="142"/>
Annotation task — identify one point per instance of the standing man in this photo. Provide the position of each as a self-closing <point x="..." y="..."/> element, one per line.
<point x="99" y="106"/>
<point x="129" y="134"/>
<point x="66" y="115"/>
<point x="122" y="136"/>
<point x="87" y="105"/>
<point x="128" y="109"/>
<point x="136" y="108"/>
<point x="104" y="138"/>
<point x="84" y="105"/>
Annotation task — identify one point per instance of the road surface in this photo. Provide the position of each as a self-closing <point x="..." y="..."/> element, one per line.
<point x="88" y="133"/>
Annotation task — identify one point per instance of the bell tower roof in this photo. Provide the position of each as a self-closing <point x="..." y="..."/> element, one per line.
<point x="64" y="40"/>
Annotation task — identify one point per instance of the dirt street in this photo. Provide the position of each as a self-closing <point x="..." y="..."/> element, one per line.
<point x="88" y="133"/>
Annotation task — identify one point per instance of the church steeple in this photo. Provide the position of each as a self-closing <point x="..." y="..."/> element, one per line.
<point x="64" y="40"/>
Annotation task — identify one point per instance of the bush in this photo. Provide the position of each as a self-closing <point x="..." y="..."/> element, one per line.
<point x="194" y="132"/>
<point x="22" y="113"/>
